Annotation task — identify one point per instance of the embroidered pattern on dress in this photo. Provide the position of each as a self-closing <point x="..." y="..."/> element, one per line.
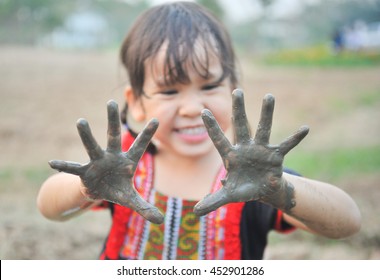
<point x="189" y="230"/>
<point x="183" y="235"/>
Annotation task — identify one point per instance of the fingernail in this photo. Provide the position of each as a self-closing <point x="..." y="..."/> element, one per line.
<point x="206" y="112"/>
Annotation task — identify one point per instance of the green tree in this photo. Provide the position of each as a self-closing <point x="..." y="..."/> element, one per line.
<point x="22" y="20"/>
<point x="25" y="21"/>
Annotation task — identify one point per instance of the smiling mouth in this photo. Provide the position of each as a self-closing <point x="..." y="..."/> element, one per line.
<point x="192" y="130"/>
<point x="192" y="135"/>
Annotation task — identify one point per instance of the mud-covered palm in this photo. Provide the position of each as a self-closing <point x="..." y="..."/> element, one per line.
<point x="109" y="174"/>
<point x="254" y="167"/>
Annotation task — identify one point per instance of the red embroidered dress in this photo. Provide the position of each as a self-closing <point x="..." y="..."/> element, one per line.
<point x="182" y="235"/>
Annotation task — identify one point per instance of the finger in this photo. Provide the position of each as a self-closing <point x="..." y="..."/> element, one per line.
<point x="242" y="129"/>
<point x="148" y="211"/>
<point x="113" y="133"/>
<point x="211" y="202"/>
<point x="216" y="134"/>
<point x="265" y="124"/>
<point x="67" y="166"/>
<point x="142" y="140"/>
<point x="293" y="140"/>
<point x="93" y="149"/>
<point x="145" y="209"/>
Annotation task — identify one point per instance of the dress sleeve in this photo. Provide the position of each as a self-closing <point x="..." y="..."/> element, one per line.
<point x="281" y="225"/>
<point x="103" y="205"/>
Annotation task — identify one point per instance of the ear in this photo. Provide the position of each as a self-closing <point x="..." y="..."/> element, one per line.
<point x="135" y="106"/>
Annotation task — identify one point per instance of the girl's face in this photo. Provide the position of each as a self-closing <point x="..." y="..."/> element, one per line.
<point x="178" y="106"/>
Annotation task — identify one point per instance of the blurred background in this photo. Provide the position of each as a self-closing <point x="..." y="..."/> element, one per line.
<point x="59" y="61"/>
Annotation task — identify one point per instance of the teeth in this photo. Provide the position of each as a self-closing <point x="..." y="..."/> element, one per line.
<point x="193" y="130"/>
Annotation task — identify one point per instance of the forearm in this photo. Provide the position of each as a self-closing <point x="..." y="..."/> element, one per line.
<point x="60" y="197"/>
<point x="323" y="208"/>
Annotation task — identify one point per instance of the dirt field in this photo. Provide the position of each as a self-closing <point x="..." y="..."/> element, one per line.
<point x="43" y="93"/>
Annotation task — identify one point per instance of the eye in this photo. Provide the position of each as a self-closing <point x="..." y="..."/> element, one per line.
<point x="168" y="92"/>
<point x="210" y="86"/>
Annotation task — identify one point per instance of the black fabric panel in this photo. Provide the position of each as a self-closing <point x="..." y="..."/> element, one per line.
<point x="256" y="221"/>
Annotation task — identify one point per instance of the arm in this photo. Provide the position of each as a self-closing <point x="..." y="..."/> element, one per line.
<point x="62" y="197"/>
<point x="107" y="176"/>
<point x="322" y="208"/>
<point x="254" y="172"/>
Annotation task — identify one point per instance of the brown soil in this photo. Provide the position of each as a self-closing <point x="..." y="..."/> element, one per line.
<point x="44" y="92"/>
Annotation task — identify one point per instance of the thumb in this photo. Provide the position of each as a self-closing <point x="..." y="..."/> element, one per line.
<point x="144" y="208"/>
<point x="211" y="202"/>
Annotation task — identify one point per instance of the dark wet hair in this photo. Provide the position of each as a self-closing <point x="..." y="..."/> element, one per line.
<point x="179" y="25"/>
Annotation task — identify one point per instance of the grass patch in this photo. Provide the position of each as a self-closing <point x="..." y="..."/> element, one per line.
<point x="36" y="175"/>
<point x="365" y="99"/>
<point x="6" y="174"/>
<point x="369" y="98"/>
<point x="335" y="164"/>
<point x="322" y="56"/>
<point x="11" y="176"/>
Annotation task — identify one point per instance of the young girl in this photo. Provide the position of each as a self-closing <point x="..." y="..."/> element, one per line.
<point x="181" y="68"/>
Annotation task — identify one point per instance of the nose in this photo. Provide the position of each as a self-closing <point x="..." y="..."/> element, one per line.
<point x="191" y="104"/>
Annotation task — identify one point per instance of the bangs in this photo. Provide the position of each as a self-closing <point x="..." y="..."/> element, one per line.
<point x="191" y="38"/>
<point x="185" y="56"/>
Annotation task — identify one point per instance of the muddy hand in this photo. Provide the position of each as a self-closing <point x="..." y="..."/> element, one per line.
<point x="254" y="167"/>
<point x="109" y="174"/>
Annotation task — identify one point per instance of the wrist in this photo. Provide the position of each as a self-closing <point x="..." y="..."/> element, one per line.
<point x="80" y="204"/>
<point x="85" y="196"/>
<point x="283" y="198"/>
